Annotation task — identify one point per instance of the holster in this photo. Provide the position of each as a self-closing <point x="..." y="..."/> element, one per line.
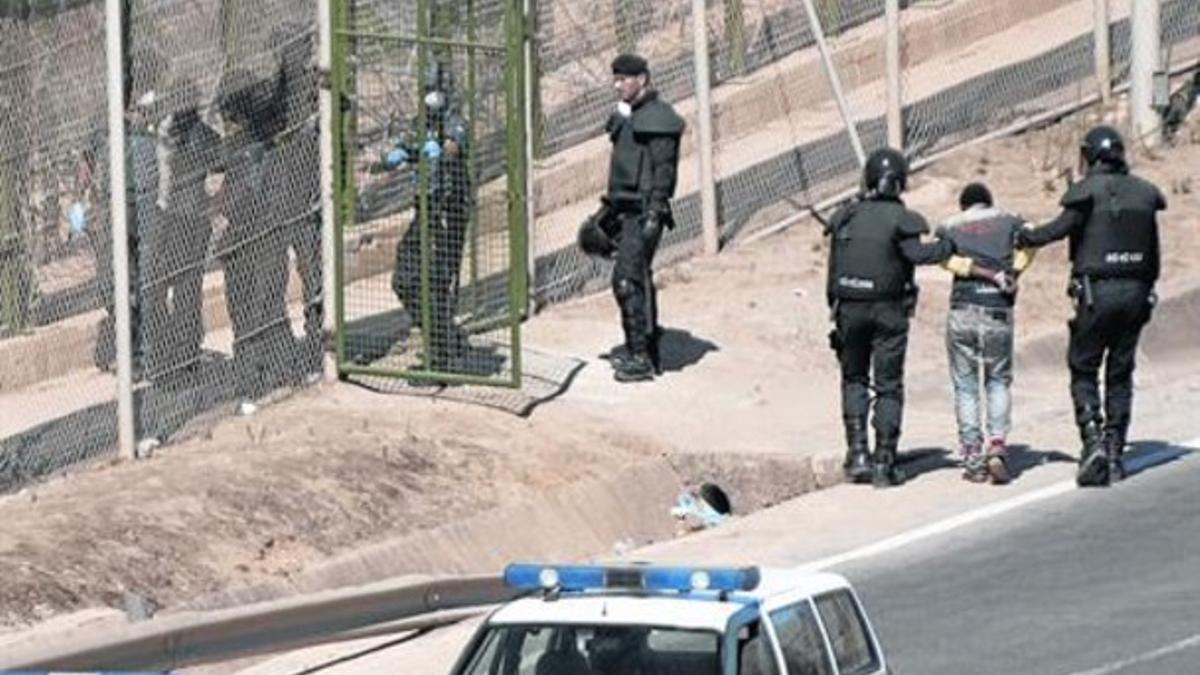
<point x="1080" y="291"/>
<point x="911" y="296"/>
<point x="835" y="341"/>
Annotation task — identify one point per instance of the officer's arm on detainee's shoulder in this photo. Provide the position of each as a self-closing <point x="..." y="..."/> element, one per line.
<point x="920" y="252"/>
<point x="1076" y="203"/>
<point x="964" y="267"/>
<point x="1024" y="255"/>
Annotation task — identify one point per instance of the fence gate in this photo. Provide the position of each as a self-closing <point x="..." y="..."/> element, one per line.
<point x="430" y="176"/>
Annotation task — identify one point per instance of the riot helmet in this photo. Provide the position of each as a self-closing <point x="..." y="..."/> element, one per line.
<point x="1103" y="144"/>
<point x="885" y="174"/>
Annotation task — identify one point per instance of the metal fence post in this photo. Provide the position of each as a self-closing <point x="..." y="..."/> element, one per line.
<point x="329" y="230"/>
<point x="835" y="82"/>
<point x="531" y="149"/>
<point x="114" y="30"/>
<point x="1102" y="42"/>
<point x="514" y="74"/>
<point x="704" y="139"/>
<point x="895" y="119"/>
<point x="1146" y="38"/>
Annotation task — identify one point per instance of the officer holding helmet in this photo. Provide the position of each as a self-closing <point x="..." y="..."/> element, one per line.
<point x="645" y="132"/>
<point x="876" y="241"/>
<point x="443" y="146"/>
<point x="1111" y="219"/>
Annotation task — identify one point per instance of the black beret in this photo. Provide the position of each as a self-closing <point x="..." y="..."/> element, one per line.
<point x="630" y="64"/>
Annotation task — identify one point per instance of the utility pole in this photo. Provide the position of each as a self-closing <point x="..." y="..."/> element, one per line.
<point x="1146" y="32"/>
<point x="704" y="141"/>
<point x="895" y="119"/>
<point x="1103" y="49"/>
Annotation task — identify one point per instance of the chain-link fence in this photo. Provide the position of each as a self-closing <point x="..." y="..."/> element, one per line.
<point x="224" y="229"/>
<point x="223" y="176"/>
<point x="969" y="67"/>
<point x="765" y="74"/>
<point x="432" y="267"/>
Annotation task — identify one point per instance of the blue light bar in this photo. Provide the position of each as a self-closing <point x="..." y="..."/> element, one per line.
<point x="532" y="576"/>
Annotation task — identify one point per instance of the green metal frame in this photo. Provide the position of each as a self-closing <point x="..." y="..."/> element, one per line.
<point x="345" y="191"/>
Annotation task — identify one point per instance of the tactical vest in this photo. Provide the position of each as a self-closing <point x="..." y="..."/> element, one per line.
<point x="630" y="174"/>
<point x="987" y="236"/>
<point x="1120" y="237"/>
<point x="865" y="262"/>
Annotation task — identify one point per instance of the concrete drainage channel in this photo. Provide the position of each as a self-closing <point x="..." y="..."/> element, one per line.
<point x="591" y="519"/>
<point x="594" y="519"/>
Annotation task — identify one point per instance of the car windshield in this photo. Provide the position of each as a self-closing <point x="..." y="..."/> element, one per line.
<point x="594" y="650"/>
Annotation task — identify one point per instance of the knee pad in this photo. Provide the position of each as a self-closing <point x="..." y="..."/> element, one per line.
<point x="624" y="289"/>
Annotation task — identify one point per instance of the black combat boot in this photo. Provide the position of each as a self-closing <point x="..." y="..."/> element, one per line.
<point x="654" y="350"/>
<point x="1093" y="463"/>
<point x="857" y="467"/>
<point x="1114" y="452"/>
<point x="635" y="368"/>
<point x="886" y="473"/>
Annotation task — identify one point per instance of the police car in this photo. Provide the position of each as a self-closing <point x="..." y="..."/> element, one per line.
<point x="649" y="620"/>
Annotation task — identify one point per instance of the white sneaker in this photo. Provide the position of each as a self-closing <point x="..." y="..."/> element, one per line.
<point x="247" y="408"/>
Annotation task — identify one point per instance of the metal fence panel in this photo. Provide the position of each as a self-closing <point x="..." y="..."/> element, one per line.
<point x="224" y="223"/>
<point x="432" y="264"/>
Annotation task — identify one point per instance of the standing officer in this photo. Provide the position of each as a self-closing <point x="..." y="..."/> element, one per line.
<point x="292" y="176"/>
<point x="252" y="249"/>
<point x="193" y="154"/>
<point x="444" y="146"/>
<point x="876" y="243"/>
<point x="1111" y="219"/>
<point x="141" y="191"/>
<point x="645" y="132"/>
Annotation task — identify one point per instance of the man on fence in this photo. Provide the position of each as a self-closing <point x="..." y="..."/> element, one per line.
<point x="645" y="132"/>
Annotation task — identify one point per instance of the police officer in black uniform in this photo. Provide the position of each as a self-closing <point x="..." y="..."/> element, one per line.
<point x="645" y="132"/>
<point x="1111" y="219"/>
<point x="252" y="249"/>
<point x="443" y="145"/>
<point x="292" y="178"/>
<point x="876" y="241"/>
<point x="144" y="218"/>
<point x="177" y="268"/>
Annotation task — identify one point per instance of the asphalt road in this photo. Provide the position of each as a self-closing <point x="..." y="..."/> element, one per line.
<point x="1095" y="581"/>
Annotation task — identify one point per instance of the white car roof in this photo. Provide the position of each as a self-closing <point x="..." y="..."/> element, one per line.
<point x="692" y="611"/>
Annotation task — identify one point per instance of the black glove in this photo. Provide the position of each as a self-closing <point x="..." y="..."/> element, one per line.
<point x="652" y="227"/>
<point x="835" y="341"/>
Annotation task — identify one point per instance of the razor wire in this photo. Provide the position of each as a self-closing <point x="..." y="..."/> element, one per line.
<point x="222" y="139"/>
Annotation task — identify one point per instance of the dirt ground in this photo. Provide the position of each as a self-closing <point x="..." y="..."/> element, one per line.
<point x="339" y="467"/>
